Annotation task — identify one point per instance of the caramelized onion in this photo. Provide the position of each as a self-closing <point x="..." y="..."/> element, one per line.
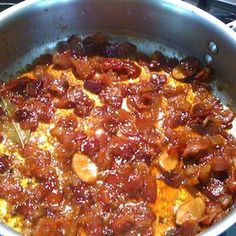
<point x="219" y="164"/>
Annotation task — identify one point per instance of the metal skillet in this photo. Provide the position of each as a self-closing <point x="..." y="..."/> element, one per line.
<point x="33" y="27"/>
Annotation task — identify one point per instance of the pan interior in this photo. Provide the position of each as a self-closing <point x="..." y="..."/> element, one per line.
<point x="144" y="45"/>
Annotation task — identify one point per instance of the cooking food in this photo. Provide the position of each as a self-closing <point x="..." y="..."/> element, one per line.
<point x="101" y="139"/>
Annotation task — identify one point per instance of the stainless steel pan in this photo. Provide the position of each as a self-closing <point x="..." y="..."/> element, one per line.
<point x="34" y="26"/>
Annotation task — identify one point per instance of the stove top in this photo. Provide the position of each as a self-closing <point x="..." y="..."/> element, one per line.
<point x="225" y="10"/>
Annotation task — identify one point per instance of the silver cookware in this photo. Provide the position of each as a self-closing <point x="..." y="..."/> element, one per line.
<point x="33" y="27"/>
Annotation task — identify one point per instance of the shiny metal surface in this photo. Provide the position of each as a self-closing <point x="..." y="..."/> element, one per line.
<point x="33" y="27"/>
<point x="232" y="25"/>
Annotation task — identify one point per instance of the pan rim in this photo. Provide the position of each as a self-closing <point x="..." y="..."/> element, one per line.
<point x="6" y="15"/>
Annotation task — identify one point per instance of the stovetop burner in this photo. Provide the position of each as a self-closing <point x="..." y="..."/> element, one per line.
<point x="225" y="10"/>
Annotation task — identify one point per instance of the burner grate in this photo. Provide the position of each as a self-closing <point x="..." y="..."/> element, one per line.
<point x="225" y="10"/>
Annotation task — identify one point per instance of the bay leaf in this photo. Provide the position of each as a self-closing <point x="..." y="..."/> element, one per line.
<point x="11" y="128"/>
